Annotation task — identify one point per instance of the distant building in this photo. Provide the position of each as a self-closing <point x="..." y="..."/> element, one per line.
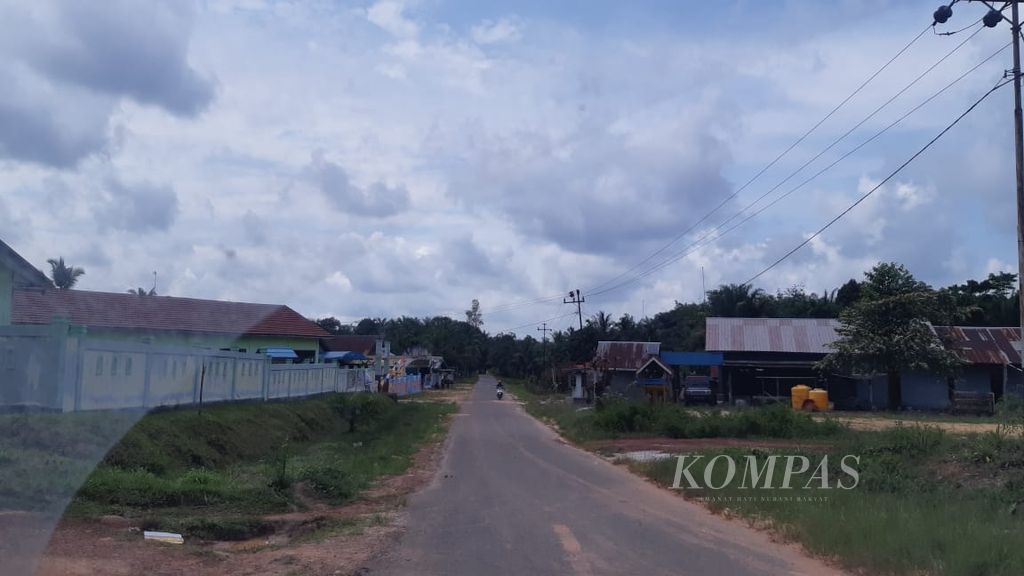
<point x="16" y="273"/>
<point x="763" y="358"/>
<point x="276" y="330"/>
<point x="618" y="363"/>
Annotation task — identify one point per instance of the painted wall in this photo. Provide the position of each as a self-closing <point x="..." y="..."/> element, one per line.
<point x="60" y="367"/>
<point x="210" y="341"/>
<point x="6" y="294"/>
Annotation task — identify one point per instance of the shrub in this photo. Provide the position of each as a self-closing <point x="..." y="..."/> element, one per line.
<point x="362" y="410"/>
<point x="331" y="481"/>
<point x="621" y="416"/>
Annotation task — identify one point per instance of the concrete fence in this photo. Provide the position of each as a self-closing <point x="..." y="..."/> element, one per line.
<point x="59" y="367"/>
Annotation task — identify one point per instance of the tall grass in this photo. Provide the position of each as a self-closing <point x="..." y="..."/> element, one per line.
<point x="235" y="461"/>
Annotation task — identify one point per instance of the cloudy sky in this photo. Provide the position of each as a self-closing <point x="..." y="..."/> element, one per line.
<point x="404" y="157"/>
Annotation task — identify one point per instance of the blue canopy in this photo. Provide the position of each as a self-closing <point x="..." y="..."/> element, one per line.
<point x="692" y="358"/>
<point x="345" y="356"/>
<point x="281" y="353"/>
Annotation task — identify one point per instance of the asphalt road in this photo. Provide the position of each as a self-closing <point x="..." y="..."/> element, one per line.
<point x="511" y="498"/>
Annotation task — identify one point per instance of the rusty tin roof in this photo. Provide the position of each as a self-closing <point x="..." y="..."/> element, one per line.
<point x="796" y="335"/>
<point x="980" y="344"/>
<point x="624" y="355"/>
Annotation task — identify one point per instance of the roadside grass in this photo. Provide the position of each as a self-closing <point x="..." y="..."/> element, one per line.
<point x="925" y="503"/>
<point x="212" y="474"/>
<point x="617" y="419"/>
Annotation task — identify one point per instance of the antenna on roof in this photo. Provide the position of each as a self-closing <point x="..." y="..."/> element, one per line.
<point x="154" y="281"/>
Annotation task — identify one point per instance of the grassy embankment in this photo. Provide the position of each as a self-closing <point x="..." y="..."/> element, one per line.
<point x="213" y="473"/>
<point x="927" y="501"/>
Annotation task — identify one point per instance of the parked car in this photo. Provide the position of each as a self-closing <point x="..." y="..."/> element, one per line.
<point x="698" y="390"/>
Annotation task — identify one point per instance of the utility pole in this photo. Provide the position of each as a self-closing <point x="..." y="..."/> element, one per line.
<point x="543" y="329"/>
<point x="991" y="20"/>
<point x="1018" y="141"/>
<point x="575" y="297"/>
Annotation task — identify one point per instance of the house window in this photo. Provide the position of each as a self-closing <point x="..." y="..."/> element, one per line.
<point x="174" y="369"/>
<point x="99" y="365"/>
<point x="242" y="350"/>
<point x="128" y="366"/>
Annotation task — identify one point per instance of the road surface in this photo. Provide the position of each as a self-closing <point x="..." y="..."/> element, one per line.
<point x="511" y="498"/>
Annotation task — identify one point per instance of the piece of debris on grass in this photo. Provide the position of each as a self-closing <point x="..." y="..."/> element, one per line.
<point x="643" y="456"/>
<point x="166" y="537"/>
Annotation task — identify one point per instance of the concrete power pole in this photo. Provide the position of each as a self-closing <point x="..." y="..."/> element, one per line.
<point x="991" y="20"/>
<point x="543" y="329"/>
<point x="575" y="297"/>
<point x="1018" y="141"/>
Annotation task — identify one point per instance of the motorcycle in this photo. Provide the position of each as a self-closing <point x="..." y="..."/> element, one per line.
<point x="500" y="393"/>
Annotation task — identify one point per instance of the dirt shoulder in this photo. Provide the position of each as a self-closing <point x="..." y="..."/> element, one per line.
<point x="881" y="423"/>
<point x="323" y="540"/>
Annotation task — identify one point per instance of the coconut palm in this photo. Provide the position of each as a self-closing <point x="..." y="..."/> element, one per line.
<point x="64" y="276"/>
<point x="142" y="291"/>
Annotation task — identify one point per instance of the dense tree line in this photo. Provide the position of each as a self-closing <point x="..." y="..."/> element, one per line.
<point x="468" y="348"/>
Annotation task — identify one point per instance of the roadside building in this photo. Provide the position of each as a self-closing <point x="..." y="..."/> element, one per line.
<point x="273" y="330"/>
<point x="618" y="362"/>
<point x="763" y="358"/>
<point x="16" y="273"/>
<point x="992" y="363"/>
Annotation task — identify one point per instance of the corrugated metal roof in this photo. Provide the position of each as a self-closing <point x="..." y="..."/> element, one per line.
<point x="280" y="353"/>
<point x="981" y="345"/>
<point x="796" y="335"/>
<point x="115" y="310"/>
<point x="624" y="355"/>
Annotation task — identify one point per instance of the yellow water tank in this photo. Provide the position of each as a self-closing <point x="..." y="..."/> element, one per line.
<point x="820" y="399"/>
<point x="798" y="394"/>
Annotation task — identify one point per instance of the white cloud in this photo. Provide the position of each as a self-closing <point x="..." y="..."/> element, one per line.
<point x="457" y="161"/>
<point x="389" y="16"/>
<point x="496" y="32"/>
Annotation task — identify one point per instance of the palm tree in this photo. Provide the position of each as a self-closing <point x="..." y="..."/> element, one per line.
<point x="737" y="300"/>
<point x="142" y="291"/>
<point x="64" y="276"/>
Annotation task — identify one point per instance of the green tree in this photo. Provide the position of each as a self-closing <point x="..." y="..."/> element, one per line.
<point x="334" y="326"/>
<point x="142" y="291"/>
<point x="64" y="277"/>
<point x="887" y="331"/>
<point x="737" y="301"/>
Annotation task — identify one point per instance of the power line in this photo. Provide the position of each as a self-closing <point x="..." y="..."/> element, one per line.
<point x="880" y="184"/>
<point x="770" y="164"/>
<point x="690" y="248"/>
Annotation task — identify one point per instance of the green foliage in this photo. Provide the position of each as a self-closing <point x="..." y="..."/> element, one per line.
<point x="251" y="455"/>
<point x="64" y="277"/>
<point x="361" y="410"/>
<point x="901" y="519"/>
<point x="887" y="330"/>
<point x="331" y="481"/>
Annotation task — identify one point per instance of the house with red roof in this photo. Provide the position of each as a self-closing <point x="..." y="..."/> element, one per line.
<point x="27" y="297"/>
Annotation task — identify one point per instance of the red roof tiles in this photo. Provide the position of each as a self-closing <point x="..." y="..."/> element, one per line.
<point x="113" y="310"/>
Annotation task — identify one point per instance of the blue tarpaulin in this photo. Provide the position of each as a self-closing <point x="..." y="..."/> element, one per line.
<point x="281" y="353"/>
<point x="692" y="358"/>
<point x="345" y="356"/>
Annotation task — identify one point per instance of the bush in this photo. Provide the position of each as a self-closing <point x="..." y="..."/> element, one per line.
<point x="331" y="481"/>
<point x="911" y="441"/>
<point x="621" y="417"/>
<point x="362" y="410"/>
